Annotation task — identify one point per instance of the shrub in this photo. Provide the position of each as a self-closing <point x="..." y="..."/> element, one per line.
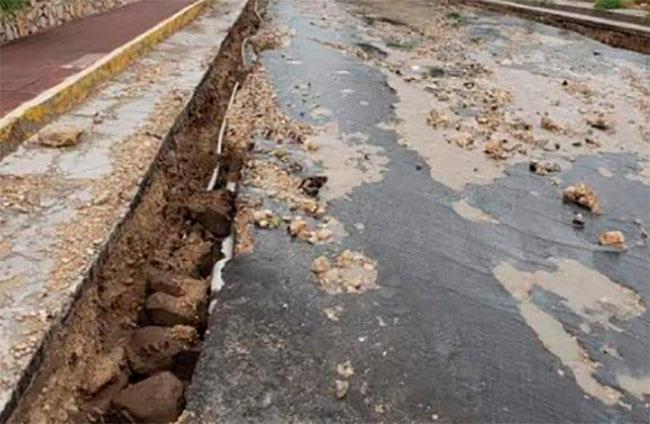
<point x="9" y="7"/>
<point x="610" y="4"/>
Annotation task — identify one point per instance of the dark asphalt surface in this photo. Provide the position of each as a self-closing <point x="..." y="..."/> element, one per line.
<point x="455" y="347"/>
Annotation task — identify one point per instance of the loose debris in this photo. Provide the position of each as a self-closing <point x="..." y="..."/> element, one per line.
<point x="311" y="185"/>
<point x="612" y="238"/>
<point x="578" y="220"/>
<point x="333" y="314"/>
<point x="349" y="272"/>
<point x="581" y="195"/>
<point x="543" y="168"/>
<point x="345" y="369"/>
<point x="267" y="219"/>
<point x="157" y="399"/>
<point x="341" y="388"/>
<point x="60" y="136"/>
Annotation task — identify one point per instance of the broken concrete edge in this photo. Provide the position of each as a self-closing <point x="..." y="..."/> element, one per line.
<point x="90" y="272"/>
<point x="24" y="121"/>
<point x="609" y="14"/>
<point x="614" y="33"/>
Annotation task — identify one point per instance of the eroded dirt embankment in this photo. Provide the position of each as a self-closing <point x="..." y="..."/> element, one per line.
<point x="135" y="330"/>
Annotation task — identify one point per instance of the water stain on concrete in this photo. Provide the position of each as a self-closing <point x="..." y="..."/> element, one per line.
<point x="448" y="164"/>
<point x="587" y="293"/>
<point x="347" y="159"/>
<point x="638" y="386"/>
<point x="472" y="213"/>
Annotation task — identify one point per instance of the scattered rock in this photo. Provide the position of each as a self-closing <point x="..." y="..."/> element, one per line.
<point x="266" y="219"/>
<point x="166" y="281"/>
<point x="188" y="309"/>
<point x="581" y="195"/>
<point x="60" y="136"/>
<point x="578" y="220"/>
<point x="299" y="228"/>
<point x="599" y="122"/>
<point x="312" y="185"/>
<point x="543" y="168"/>
<point x="157" y="399"/>
<point x="212" y="210"/>
<point x="341" y="388"/>
<point x="550" y="125"/>
<point x="100" y="403"/>
<point x="345" y="369"/>
<point x="350" y="272"/>
<point x="333" y="313"/>
<point x="153" y="348"/>
<point x="321" y="265"/>
<point x="612" y="238"/>
<point x="104" y="370"/>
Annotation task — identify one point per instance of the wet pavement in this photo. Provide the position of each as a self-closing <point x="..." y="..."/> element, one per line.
<point x="489" y="305"/>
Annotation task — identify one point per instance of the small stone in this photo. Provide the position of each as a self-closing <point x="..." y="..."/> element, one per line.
<point x="345" y="369"/>
<point x="321" y="265"/>
<point x="297" y="226"/>
<point x="157" y="399"/>
<point x="153" y="348"/>
<point x="323" y="234"/>
<point x="212" y="210"/>
<point x="60" y="136"/>
<point x="104" y="370"/>
<point x="578" y="220"/>
<point x="582" y="195"/>
<point x="341" y="388"/>
<point x="189" y="309"/>
<point x="599" y="122"/>
<point x="612" y="238"/>
<point x="312" y="185"/>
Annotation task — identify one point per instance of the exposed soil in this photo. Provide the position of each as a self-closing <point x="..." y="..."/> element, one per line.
<point x="142" y="310"/>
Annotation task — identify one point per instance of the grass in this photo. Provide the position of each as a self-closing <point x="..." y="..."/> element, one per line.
<point x="457" y="17"/>
<point x="609" y="4"/>
<point x="9" y="7"/>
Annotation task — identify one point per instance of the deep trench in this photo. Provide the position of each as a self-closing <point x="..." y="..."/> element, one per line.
<point x="141" y="311"/>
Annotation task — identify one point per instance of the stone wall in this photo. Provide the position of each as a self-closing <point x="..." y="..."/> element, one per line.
<point x="38" y="15"/>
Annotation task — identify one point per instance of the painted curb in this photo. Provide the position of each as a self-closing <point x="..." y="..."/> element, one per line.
<point x="24" y="121"/>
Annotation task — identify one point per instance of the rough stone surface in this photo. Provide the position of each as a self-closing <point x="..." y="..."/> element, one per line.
<point x="153" y="348"/>
<point x="157" y="399"/>
<point x="612" y="238"/>
<point x="106" y="370"/>
<point x="60" y="136"/>
<point x="212" y="210"/>
<point x="169" y="310"/>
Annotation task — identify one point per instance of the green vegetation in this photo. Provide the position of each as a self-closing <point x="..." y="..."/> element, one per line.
<point x="9" y="7"/>
<point x="610" y="4"/>
<point x="457" y="17"/>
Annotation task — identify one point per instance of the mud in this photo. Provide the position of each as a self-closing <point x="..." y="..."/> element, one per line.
<point x="159" y="235"/>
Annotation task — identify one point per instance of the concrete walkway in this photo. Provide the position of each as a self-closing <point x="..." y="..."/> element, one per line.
<point x="33" y="64"/>
<point x="60" y="206"/>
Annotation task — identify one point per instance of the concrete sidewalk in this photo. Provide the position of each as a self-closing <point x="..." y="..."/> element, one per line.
<point x="36" y="63"/>
<point x="61" y="206"/>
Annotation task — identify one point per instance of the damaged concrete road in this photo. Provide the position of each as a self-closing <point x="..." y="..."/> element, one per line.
<point x="436" y="275"/>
